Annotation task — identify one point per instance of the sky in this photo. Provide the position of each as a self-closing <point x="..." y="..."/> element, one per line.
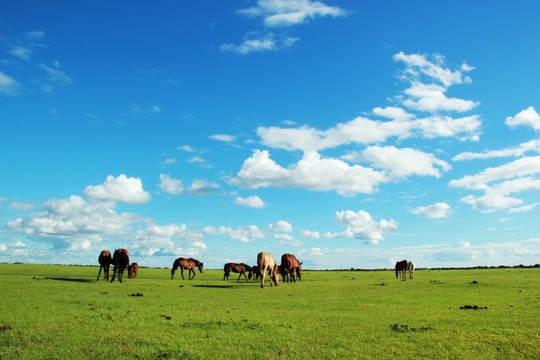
<point x="352" y="134"/>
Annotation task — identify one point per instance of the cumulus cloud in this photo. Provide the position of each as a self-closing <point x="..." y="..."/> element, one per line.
<point x="286" y="13"/>
<point x="202" y="187"/>
<point x="281" y="225"/>
<point x="171" y="239"/>
<point x="361" y="225"/>
<point x="527" y="117"/>
<point x="310" y="234"/>
<point x="223" y="137"/>
<point x="312" y="172"/>
<point x="66" y="221"/>
<point x="405" y="162"/>
<point x="170" y="185"/>
<point x="243" y="233"/>
<point x="435" y="211"/>
<point x="432" y="98"/>
<point x="520" y="150"/>
<point x="121" y="188"/>
<point x="251" y="201"/>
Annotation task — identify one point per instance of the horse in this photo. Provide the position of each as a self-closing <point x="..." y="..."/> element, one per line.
<point x="256" y="272"/>
<point x="104" y="260"/>
<point x="120" y="261"/>
<point x="266" y="262"/>
<point x="401" y="268"/>
<point x="132" y="270"/>
<point x="189" y="264"/>
<point x="410" y="268"/>
<point x="290" y="266"/>
<point x="237" y="268"/>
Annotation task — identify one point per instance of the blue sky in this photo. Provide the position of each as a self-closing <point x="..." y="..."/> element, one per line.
<point x="352" y="134"/>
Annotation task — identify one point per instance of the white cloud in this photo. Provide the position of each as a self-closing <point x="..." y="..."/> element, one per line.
<point x="21" y="52"/>
<point x="202" y="187"/>
<point x="221" y="137"/>
<point x="121" y="188"/>
<point x="35" y="35"/>
<point x="404" y="162"/>
<point x="251" y="201"/>
<point x="67" y="221"/>
<point x="360" y="225"/>
<point x="393" y="113"/>
<point x="55" y="77"/>
<point x="311" y="234"/>
<point x="170" y="185"/>
<point x="8" y="85"/>
<point x="21" y="206"/>
<point x="255" y="42"/>
<point x="435" y="69"/>
<point x="244" y="233"/>
<point x="431" y="98"/>
<point x="445" y="126"/>
<point x="186" y="148"/>
<point x="280" y="226"/>
<point x="533" y="145"/>
<point x="523" y="209"/>
<point x="311" y="172"/>
<point x="435" y="211"/>
<point x="291" y="12"/>
<point x="521" y="167"/>
<point x="527" y="117"/>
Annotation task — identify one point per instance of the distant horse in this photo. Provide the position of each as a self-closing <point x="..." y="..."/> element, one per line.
<point x="410" y="269"/>
<point x="132" y="270"/>
<point x="120" y="261"/>
<point x="290" y="266"/>
<point x="237" y="268"/>
<point x="104" y="260"/>
<point x="189" y="264"/>
<point x="266" y="262"/>
<point x="401" y="268"/>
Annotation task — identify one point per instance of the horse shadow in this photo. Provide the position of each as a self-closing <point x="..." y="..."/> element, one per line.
<point x="70" y="279"/>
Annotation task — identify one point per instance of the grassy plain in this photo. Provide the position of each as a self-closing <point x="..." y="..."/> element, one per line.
<point x="61" y="312"/>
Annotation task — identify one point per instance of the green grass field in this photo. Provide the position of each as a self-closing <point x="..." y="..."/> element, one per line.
<point x="61" y="312"/>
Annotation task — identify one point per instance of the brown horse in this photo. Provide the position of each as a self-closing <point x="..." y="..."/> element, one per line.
<point x="189" y="264"/>
<point x="401" y="269"/>
<point x="105" y="260"/>
<point x="120" y="261"/>
<point x="290" y="266"/>
<point x="256" y="272"/>
<point x="237" y="268"/>
<point x="132" y="270"/>
<point x="266" y="262"/>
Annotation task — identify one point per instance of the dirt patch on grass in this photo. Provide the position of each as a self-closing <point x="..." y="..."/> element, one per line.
<point x="405" y="328"/>
<point x="473" y="307"/>
<point x="5" y="327"/>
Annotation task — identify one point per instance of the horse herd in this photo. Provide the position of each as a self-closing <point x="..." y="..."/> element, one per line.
<point x="289" y="269"/>
<point x="402" y="267"/>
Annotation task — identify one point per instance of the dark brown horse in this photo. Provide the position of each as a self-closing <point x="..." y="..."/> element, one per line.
<point x="256" y="272"/>
<point x="266" y="263"/>
<point x="132" y="270"/>
<point x="120" y="261"/>
<point x="189" y="264"/>
<point x="290" y="268"/>
<point x="401" y="269"/>
<point x="237" y="268"/>
<point x="105" y="260"/>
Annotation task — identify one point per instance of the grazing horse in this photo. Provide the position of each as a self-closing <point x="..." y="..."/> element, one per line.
<point x="410" y="268"/>
<point x="132" y="270"/>
<point x="105" y="260"/>
<point x="266" y="262"/>
<point x="256" y="272"/>
<point x="290" y="266"/>
<point x="189" y="264"/>
<point x="401" y="268"/>
<point x="237" y="268"/>
<point x="120" y="261"/>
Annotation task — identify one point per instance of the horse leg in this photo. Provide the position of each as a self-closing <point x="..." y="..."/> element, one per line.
<point x="99" y="273"/>
<point x="106" y="272"/>
<point x="114" y="273"/>
<point x="189" y="274"/>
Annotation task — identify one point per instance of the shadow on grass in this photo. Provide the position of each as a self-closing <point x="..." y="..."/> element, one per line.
<point x="70" y="279"/>
<point x="215" y="286"/>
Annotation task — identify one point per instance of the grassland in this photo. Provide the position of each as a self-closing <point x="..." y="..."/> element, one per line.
<point x="61" y="312"/>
